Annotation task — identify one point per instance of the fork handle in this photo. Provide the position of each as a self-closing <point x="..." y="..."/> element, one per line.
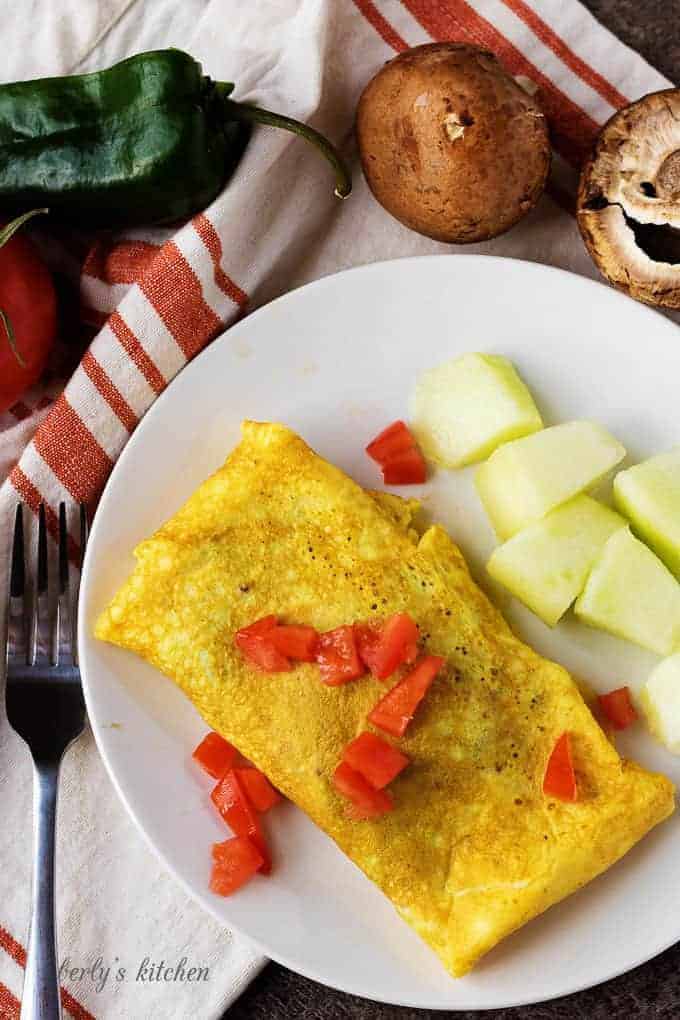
<point x="40" y="999"/>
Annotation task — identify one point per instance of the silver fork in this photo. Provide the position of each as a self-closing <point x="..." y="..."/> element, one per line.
<point x="45" y="706"/>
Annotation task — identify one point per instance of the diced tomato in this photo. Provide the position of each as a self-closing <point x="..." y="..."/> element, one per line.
<point x="258" y="789"/>
<point x="262" y="626"/>
<point x="618" y="708"/>
<point x="253" y="641"/>
<point x="375" y="759"/>
<point x="395" y="710"/>
<point x="396" y="451"/>
<point x="411" y="652"/>
<point x="260" y="652"/>
<point x="560" y="779"/>
<point x="231" y="801"/>
<point x="407" y="469"/>
<point x="234" y="863"/>
<point x="295" y="642"/>
<point x="397" y="643"/>
<point x="365" y="801"/>
<point x="391" y="442"/>
<point x="338" y="657"/>
<point x="215" y="755"/>
<point x="367" y="637"/>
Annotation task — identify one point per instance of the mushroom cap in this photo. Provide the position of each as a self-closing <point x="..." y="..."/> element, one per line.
<point x="450" y="144"/>
<point x="628" y="206"/>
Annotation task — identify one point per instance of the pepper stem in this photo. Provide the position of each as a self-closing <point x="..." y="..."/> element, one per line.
<point x="10" y="230"/>
<point x="256" y="115"/>
<point x="6" y="234"/>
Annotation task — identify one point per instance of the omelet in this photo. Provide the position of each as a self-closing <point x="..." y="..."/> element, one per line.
<point x="473" y="849"/>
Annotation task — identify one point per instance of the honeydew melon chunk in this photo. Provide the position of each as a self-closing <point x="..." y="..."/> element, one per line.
<point x="465" y="408"/>
<point x="649" y="496"/>
<point x="661" y="702"/>
<point x="631" y="594"/>
<point x="527" y="478"/>
<point x="546" y="564"/>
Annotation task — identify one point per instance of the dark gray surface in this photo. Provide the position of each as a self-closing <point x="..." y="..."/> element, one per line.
<point x="652" y="27"/>
<point x="653" y="991"/>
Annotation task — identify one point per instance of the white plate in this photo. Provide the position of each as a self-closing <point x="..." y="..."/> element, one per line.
<point x="337" y="361"/>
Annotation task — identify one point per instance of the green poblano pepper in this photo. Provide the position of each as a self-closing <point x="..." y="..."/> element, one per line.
<point x="149" y="140"/>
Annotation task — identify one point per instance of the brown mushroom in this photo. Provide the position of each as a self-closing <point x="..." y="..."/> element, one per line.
<point x="628" y="206"/>
<point x="450" y="144"/>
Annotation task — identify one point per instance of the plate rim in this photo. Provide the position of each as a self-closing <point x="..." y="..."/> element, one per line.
<point x="88" y="569"/>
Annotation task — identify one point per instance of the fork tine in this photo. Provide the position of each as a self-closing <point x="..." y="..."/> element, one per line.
<point x="39" y="590"/>
<point x="42" y="551"/>
<point x="18" y="570"/>
<point x="63" y="549"/>
<point x="84" y="535"/>
<point x="60" y="608"/>
<point x="17" y="580"/>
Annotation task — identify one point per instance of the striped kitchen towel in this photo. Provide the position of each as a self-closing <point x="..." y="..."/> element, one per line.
<point x="156" y="297"/>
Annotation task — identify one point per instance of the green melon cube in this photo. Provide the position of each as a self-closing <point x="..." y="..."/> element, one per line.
<point x="527" y="478"/>
<point x="631" y="594"/>
<point x="547" y="563"/>
<point x="661" y="702"/>
<point x="465" y="408"/>
<point x="649" y="495"/>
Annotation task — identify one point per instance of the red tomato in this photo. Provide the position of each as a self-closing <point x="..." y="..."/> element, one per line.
<point x="253" y="641"/>
<point x="232" y="803"/>
<point x="295" y="642"/>
<point x="396" y="451"/>
<point x="397" y="643"/>
<point x="367" y="637"/>
<point x="375" y="759"/>
<point x="407" y="469"/>
<point x="29" y="306"/>
<point x="391" y="442"/>
<point x="260" y="652"/>
<point x="394" y="712"/>
<point x="215" y="755"/>
<point x="618" y="708"/>
<point x="258" y="789"/>
<point x="234" y="863"/>
<point x="262" y="626"/>
<point x="366" y="802"/>
<point x="559" y="780"/>
<point x="338" y="657"/>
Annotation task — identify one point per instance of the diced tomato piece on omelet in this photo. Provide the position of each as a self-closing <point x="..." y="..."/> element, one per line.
<point x="376" y="760"/>
<point x="395" y="710"/>
<point x="394" y="644"/>
<point x="295" y="642"/>
<point x="338" y="657"/>
<point x="364" y="801"/>
<point x="254" y="642"/>
<point x="560" y="779"/>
